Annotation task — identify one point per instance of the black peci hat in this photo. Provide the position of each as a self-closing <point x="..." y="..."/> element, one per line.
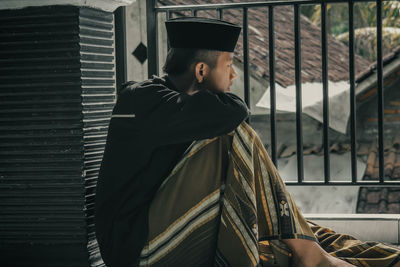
<point x="202" y="33"/>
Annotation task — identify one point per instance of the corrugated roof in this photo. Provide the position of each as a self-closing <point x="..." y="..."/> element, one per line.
<point x="57" y="91"/>
<point x="284" y="44"/>
<point x="41" y="185"/>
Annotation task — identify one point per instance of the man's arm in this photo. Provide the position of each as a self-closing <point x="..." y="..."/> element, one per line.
<point x="181" y="117"/>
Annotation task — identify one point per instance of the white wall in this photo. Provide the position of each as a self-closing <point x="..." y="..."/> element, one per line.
<point x="323" y="199"/>
<point x="136" y="33"/>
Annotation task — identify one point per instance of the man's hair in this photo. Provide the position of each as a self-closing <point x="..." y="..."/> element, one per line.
<point x="180" y="60"/>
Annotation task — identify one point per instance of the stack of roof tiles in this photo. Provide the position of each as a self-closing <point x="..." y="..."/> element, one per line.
<point x="381" y="199"/>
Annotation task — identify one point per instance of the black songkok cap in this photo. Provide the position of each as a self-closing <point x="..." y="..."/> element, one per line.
<point x="202" y="33"/>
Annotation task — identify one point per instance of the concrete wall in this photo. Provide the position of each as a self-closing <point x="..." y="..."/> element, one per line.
<point x="136" y="33"/>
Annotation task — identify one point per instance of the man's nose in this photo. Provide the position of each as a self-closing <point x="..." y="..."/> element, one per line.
<point x="233" y="73"/>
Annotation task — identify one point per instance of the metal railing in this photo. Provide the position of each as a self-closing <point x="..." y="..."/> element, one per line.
<point x="153" y="65"/>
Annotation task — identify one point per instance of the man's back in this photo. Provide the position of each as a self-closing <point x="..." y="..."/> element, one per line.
<point x="151" y="127"/>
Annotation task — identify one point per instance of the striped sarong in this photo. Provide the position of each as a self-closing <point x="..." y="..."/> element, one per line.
<point x="224" y="204"/>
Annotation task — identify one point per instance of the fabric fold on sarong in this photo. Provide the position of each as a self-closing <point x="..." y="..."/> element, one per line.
<point x="354" y="251"/>
<point x="224" y="204"/>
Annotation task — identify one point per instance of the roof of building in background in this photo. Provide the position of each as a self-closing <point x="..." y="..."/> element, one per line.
<point x="284" y="44"/>
<point x="381" y="199"/>
<point x="371" y="69"/>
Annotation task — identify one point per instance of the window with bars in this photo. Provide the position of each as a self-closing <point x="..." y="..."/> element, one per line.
<point x="306" y="56"/>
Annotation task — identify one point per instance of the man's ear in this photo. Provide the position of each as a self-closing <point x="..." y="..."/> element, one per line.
<point x="201" y="70"/>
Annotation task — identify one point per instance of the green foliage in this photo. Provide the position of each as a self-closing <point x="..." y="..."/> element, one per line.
<point x="364" y="15"/>
<point x="339" y="29"/>
<point x="307" y="10"/>
<point x="365" y="41"/>
<point x="392" y="14"/>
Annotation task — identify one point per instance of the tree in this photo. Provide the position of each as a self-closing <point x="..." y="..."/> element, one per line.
<point x="365" y="41"/>
<point x="364" y="15"/>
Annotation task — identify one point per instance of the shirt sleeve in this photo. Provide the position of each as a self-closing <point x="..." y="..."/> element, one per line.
<point x="182" y="118"/>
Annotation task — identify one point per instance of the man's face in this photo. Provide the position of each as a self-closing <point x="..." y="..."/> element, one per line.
<point x="221" y="76"/>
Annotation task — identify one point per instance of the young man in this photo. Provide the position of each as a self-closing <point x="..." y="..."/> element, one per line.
<point x="164" y="198"/>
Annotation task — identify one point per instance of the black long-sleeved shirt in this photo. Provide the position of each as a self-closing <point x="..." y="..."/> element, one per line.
<point x="151" y="127"/>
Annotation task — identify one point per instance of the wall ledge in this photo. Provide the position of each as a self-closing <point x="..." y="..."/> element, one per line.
<point x="105" y="5"/>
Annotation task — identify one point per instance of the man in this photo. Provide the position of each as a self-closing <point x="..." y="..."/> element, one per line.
<point x="164" y="198"/>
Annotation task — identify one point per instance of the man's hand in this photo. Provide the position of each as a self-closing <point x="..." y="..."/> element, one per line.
<point x="307" y="253"/>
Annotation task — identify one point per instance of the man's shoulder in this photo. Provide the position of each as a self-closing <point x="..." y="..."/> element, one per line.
<point x="142" y="97"/>
<point x="149" y="86"/>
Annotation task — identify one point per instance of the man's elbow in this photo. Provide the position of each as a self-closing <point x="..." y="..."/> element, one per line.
<point x="244" y="114"/>
<point x="240" y="116"/>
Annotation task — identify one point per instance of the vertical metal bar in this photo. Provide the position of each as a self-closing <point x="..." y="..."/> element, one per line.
<point x="120" y="48"/>
<point x="152" y="38"/>
<point x="324" y="51"/>
<point x="299" y="124"/>
<point x="194" y="12"/>
<point x="168" y="17"/>
<point x="379" y="68"/>
<point x="219" y="13"/>
<point x="246" y="59"/>
<point x="352" y="95"/>
<point x="271" y="44"/>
